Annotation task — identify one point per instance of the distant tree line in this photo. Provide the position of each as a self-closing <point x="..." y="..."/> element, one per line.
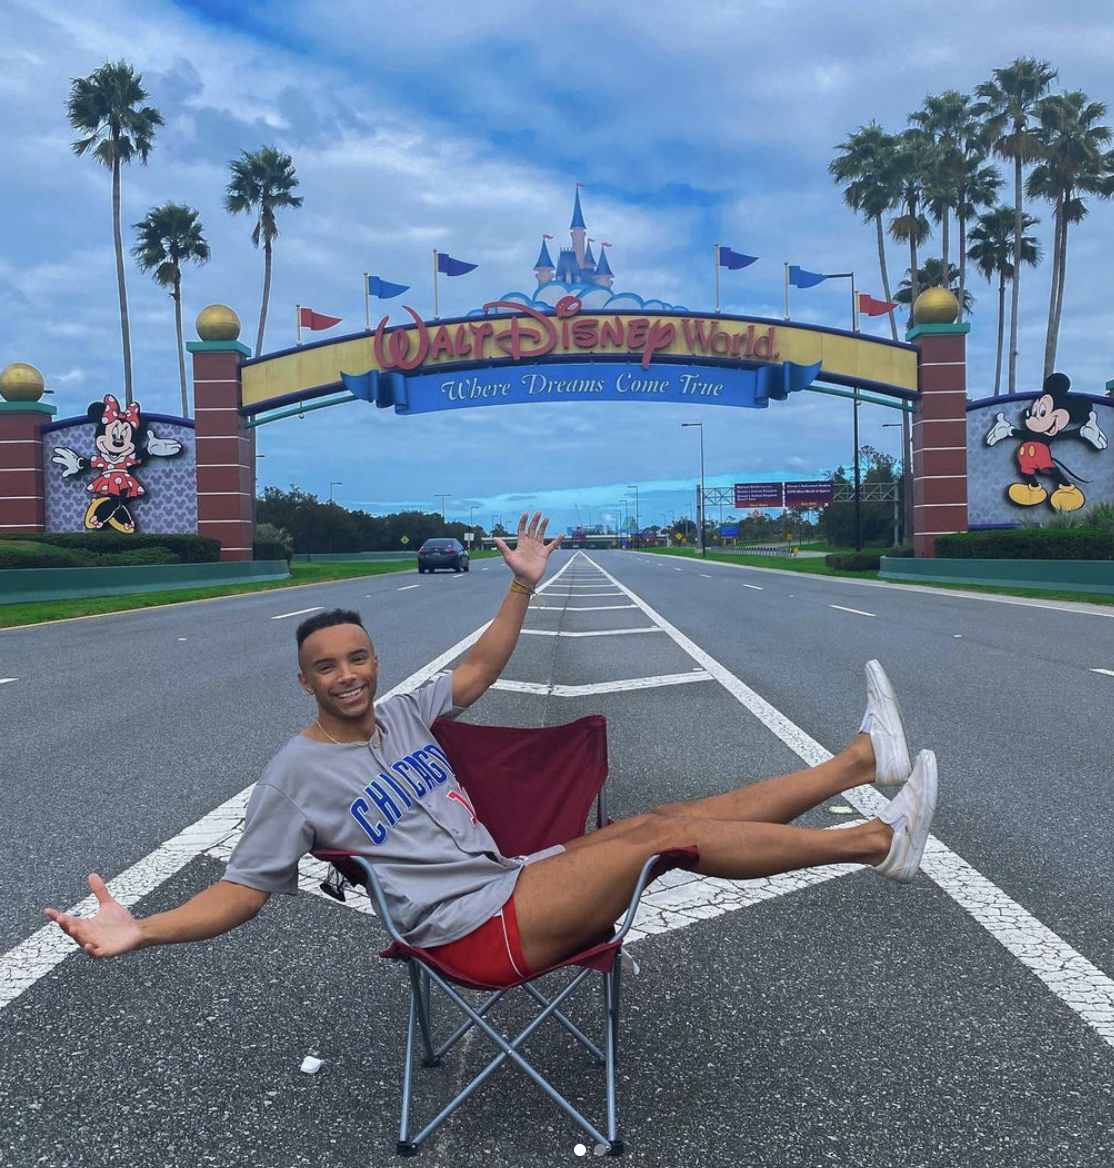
<point x="316" y="527"/>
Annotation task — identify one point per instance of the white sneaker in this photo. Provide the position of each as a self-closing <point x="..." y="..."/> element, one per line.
<point x="910" y="815"/>
<point x="883" y="722"/>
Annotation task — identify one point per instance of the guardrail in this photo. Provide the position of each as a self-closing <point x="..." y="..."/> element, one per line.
<point x="1089" y="576"/>
<point x="28" y="585"/>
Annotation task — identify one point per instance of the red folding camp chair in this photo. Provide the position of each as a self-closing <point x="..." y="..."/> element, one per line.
<point x="531" y="788"/>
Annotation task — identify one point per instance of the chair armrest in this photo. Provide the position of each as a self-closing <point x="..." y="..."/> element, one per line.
<point x="662" y="862"/>
<point x="379" y="899"/>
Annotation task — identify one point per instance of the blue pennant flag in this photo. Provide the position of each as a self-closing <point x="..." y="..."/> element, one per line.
<point x="734" y="259"/>
<point x="447" y="266"/>
<point x="384" y="289"/>
<point x="800" y="278"/>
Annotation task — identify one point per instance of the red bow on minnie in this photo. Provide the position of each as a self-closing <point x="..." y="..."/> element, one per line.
<point x="113" y="413"/>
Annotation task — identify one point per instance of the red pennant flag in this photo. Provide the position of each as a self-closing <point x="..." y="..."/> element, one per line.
<point x="581" y="184"/>
<point x="317" y="320"/>
<point x="868" y="306"/>
<point x="547" y="237"/>
<point x="605" y="245"/>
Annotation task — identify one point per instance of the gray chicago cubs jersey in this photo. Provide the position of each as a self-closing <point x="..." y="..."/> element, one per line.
<point x="398" y="804"/>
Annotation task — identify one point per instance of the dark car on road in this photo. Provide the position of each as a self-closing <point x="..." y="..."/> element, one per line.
<point x="442" y="553"/>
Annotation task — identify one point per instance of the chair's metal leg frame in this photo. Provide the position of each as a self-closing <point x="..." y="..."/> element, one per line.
<point x="508" y="1050"/>
<point x="420" y="1014"/>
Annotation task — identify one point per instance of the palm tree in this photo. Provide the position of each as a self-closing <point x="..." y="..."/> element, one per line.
<point x="911" y="164"/>
<point x="107" y="107"/>
<point x="1075" y="164"/>
<point x="261" y="183"/>
<point x="169" y="237"/>
<point x="1011" y="104"/>
<point x="932" y="275"/>
<point x="867" y="166"/>
<point x="943" y="121"/>
<point x="992" y="251"/>
<point x="978" y="187"/>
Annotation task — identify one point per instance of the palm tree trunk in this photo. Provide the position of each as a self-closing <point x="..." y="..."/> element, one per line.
<point x="914" y="283"/>
<point x="1015" y="291"/>
<point x="962" y="263"/>
<point x="117" y="237"/>
<point x="177" y="294"/>
<point x="1001" y="330"/>
<point x="885" y="272"/>
<point x="944" y="248"/>
<point x="266" y="295"/>
<point x="1049" y="338"/>
<point x="1060" y="292"/>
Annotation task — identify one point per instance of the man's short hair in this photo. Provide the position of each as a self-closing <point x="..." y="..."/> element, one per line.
<point x="326" y="620"/>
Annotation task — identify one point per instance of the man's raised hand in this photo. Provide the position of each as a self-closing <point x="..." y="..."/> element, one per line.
<point x="112" y="931"/>
<point x="529" y="559"/>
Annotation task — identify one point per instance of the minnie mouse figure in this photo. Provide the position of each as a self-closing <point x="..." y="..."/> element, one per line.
<point x="117" y="452"/>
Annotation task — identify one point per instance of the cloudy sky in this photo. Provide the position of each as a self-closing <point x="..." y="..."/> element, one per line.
<point x="465" y="127"/>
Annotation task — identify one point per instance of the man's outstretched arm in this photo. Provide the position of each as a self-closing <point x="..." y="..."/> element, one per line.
<point x="490" y="654"/>
<point x="113" y="930"/>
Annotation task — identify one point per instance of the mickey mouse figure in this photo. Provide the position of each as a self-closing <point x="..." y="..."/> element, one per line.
<point x="1053" y="415"/>
<point x="117" y="452"/>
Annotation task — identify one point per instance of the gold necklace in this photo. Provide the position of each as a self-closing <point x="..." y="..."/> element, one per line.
<point x="376" y="740"/>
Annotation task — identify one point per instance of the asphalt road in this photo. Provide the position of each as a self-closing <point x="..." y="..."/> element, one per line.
<point x="967" y="1019"/>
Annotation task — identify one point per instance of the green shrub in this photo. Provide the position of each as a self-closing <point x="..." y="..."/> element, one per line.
<point x="1100" y="515"/>
<point x="25" y="553"/>
<point x="147" y="555"/>
<point x="905" y="549"/>
<point x="1028" y="543"/>
<point x="266" y="533"/>
<point x="855" y="562"/>
<point x="188" y="549"/>
<point x="270" y="550"/>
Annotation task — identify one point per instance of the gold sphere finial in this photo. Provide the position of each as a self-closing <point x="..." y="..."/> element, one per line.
<point x="21" y="382"/>
<point x="217" y="322"/>
<point x="936" y="306"/>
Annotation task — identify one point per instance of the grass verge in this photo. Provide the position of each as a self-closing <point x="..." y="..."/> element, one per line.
<point x="14" y="615"/>
<point x="817" y="567"/>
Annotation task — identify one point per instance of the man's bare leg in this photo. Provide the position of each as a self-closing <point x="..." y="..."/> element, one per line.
<point x="570" y="900"/>
<point x="565" y="902"/>
<point x="783" y="799"/>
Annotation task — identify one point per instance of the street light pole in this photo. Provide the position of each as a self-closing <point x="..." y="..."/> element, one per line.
<point x="700" y="501"/>
<point x="634" y="487"/>
<point x="442" y="498"/>
<point x="331" y="485"/>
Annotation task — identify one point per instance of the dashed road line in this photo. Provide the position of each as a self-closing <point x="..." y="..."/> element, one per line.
<point x="300" y="612"/>
<point x="6" y="680"/>
<point x="548" y="689"/>
<point x="1108" y="672"/>
<point x="593" y="633"/>
<point x="407" y="587"/>
<point x="856" y="611"/>
<point x="756" y="587"/>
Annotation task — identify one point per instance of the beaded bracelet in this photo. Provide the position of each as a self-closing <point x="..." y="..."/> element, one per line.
<point x="516" y="586"/>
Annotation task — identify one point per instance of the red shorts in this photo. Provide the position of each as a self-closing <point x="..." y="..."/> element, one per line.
<point x="492" y="953"/>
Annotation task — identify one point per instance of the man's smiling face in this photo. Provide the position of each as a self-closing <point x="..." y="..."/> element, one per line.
<point x="339" y="667"/>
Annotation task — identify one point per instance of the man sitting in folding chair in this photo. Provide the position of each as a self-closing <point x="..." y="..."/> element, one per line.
<point x="373" y="781"/>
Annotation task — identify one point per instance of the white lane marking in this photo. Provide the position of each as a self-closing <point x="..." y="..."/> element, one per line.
<point x="5" y="680"/>
<point x="756" y="587"/>
<point x="705" y="576"/>
<point x="1082" y="986"/>
<point x="676" y="569"/>
<point x="601" y="687"/>
<point x="595" y="633"/>
<point x="408" y="587"/>
<point x="1108" y="672"/>
<point x="585" y="608"/>
<point x="300" y="612"/>
<point x="856" y="611"/>
<point x="24" y="964"/>
<point x="586" y="595"/>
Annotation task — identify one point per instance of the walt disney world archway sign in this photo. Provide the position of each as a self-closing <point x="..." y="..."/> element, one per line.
<point x="511" y="353"/>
